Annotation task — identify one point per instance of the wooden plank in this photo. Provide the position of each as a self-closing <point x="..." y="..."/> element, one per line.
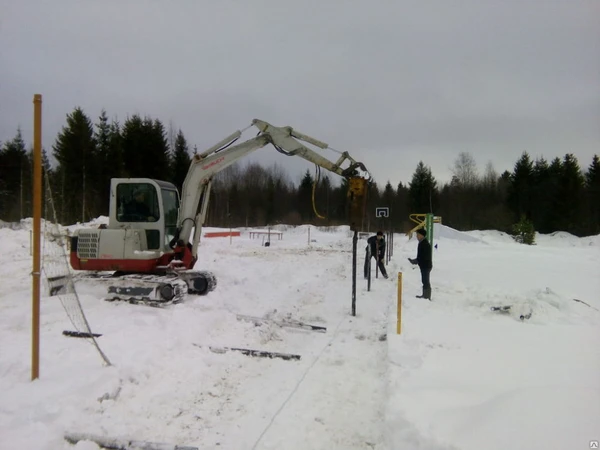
<point x="80" y="334"/>
<point x="210" y="234"/>
<point x="252" y="352"/>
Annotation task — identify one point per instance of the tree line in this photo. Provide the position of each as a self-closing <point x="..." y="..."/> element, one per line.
<point x="556" y="195"/>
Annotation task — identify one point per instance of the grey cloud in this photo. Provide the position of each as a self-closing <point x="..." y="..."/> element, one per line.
<point x="392" y="82"/>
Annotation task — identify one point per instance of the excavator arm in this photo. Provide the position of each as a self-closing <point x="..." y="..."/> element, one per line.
<point x="196" y="186"/>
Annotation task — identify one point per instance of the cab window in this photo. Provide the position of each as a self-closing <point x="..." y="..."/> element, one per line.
<point x="137" y="202"/>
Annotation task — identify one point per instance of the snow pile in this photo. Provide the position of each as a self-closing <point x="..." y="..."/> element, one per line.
<point x="493" y="237"/>
<point x="445" y="232"/>
<point x="10" y="225"/>
<point x="564" y="239"/>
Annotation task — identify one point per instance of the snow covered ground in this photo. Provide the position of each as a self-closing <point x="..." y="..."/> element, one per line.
<point x="458" y="377"/>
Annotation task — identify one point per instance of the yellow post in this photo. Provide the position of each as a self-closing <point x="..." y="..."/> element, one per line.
<point x="399" y="322"/>
<point x="37" y="215"/>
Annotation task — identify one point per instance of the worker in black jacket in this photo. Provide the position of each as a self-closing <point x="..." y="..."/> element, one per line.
<point x="376" y="249"/>
<point x="424" y="261"/>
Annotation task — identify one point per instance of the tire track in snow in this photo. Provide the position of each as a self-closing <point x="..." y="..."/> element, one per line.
<point x="340" y="400"/>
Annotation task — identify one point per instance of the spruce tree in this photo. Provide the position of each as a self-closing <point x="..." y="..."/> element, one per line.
<point x="75" y="151"/>
<point x="401" y="205"/>
<point x="422" y="190"/>
<point x="553" y="213"/>
<point x="15" y="180"/>
<point x="339" y="202"/>
<point x="373" y="202"/>
<point x="571" y="195"/>
<point x="181" y="160"/>
<point x="520" y="190"/>
<point x="592" y="185"/>
<point x="542" y="196"/>
<point x="105" y="165"/>
<point x="134" y="147"/>
<point x="304" y="198"/>
<point x="160" y="158"/>
<point x="115" y="150"/>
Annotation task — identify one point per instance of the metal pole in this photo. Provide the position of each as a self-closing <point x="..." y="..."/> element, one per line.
<point x="354" y="241"/>
<point x="399" y="311"/>
<point x="37" y="213"/>
<point x="369" y="269"/>
<point x="387" y="247"/>
<point x="376" y="258"/>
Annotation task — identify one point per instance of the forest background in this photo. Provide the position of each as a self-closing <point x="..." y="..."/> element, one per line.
<point x="548" y="196"/>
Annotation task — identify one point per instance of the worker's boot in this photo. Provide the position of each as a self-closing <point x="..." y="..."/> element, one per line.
<point x="427" y="293"/>
<point x="422" y="295"/>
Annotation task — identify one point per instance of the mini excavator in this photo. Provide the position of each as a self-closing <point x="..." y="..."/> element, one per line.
<point x="150" y="245"/>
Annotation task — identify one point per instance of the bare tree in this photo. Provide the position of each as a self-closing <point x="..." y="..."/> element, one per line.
<point x="490" y="177"/>
<point x="172" y="136"/>
<point x="465" y="170"/>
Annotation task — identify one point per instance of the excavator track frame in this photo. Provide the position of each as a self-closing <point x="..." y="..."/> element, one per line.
<point x="152" y="289"/>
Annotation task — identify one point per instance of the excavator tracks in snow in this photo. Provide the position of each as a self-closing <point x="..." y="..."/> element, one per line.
<point x="154" y="290"/>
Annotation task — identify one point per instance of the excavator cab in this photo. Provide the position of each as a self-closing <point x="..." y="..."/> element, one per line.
<point x="144" y="204"/>
<point x="142" y="222"/>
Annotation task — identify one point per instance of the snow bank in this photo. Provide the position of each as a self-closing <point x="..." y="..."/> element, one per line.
<point x="11" y="225"/>
<point x="445" y="232"/>
<point x="493" y="237"/>
<point x="564" y="239"/>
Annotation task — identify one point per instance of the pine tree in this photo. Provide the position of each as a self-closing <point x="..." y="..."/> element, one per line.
<point x="571" y="195"/>
<point x="115" y="152"/>
<point x="105" y="165"/>
<point x="422" y="190"/>
<point x="75" y="151"/>
<point x="592" y="185"/>
<point x="134" y="147"/>
<point x="322" y="197"/>
<point x="339" y="201"/>
<point x="401" y="211"/>
<point x="304" y="200"/>
<point x="146" y="152"/>
<point x="373" y="202"/>
<point x="270" y="206"/>
<point x="181" y="160"/>
<point x="542" y="196"/>
<point x="388" y="194"/>
<point x="15" y="180"/>
<point x="592" y="176"/>
<point x="160" y="168"/>
<point x="520" y="190"/>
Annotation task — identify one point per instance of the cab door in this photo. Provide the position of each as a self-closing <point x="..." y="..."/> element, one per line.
<point x="137" y="204"/>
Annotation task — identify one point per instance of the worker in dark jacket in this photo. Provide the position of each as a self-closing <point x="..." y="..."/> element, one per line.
<point x="424" y="261"/>
<point x="376" y="249"/>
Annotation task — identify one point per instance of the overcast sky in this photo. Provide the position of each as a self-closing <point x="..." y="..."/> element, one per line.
<point x="391" y="82"/>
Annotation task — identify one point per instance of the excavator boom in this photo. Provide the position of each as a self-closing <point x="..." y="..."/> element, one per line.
<point x="204" y="166"/>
